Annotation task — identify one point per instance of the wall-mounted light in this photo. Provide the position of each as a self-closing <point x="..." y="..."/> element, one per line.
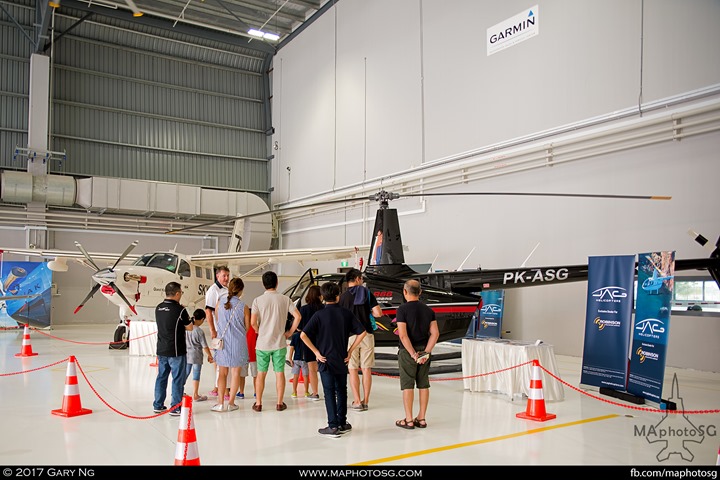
<point x="266" y="35"/>
<point x="54" y="3"/>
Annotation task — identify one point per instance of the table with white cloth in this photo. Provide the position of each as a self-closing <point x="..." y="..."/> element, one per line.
<point x="494" y="356"/>
<point x="143" y="338"/>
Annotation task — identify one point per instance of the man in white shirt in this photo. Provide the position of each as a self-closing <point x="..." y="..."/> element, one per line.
<point x="269" y="314"/>
<point x="222" y="277"/>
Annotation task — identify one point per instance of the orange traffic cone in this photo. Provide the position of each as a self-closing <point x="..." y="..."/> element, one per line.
<point x="300" y="378"/>
<point x="186" y="451"/>
<point x="536" y="402"/>
<point x="71" y="406"/>
<point x="26" y="350"/>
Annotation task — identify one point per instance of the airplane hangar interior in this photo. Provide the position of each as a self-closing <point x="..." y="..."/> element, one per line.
<point x="547" y="171"/>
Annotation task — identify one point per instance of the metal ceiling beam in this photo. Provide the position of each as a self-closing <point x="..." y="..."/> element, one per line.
<point x="328" y="5"/>
<point x="236" y="38"/>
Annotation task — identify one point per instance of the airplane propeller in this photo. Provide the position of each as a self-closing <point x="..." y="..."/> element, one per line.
<point x="105" y="276"/>
<point x="383" y="197"/>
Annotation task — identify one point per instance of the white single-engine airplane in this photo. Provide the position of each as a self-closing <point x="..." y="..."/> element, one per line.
<point x="139" y="287"/>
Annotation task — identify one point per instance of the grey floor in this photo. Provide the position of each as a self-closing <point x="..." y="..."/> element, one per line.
<point x="465" y="428"/>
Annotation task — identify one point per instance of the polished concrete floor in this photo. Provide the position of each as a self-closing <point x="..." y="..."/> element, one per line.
<point x="465" y="428"/>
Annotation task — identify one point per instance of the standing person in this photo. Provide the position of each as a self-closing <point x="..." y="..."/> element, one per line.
<point x="362" y="303"/>
<point x="196" y="345"/>
<point x="269" y="314"/>
<point x="172" y="320"/>
<point x="296" y="355"/>
<point x="222" y="277"/>
<point x="313" y="303"/>
<point x="418" y="331"/>
<point x="232" y="319"/>
<point x="252" y="370"/>
<point x="328" y="335"/>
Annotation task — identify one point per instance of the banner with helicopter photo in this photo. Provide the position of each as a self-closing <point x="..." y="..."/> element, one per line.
<point x="656" y="272"/>
<point x="25" y="294"/>
<point x="608" y="320"/>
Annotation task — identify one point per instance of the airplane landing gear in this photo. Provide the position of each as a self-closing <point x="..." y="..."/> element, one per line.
<point x="122" y="336"/>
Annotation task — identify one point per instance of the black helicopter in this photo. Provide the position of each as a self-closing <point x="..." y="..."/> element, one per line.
<point x="454" y="296"/>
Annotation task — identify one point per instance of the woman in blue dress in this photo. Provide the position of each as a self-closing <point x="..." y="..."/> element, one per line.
<point x="231" y="323"/>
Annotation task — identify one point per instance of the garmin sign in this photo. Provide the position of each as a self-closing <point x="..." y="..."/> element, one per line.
<point x="514" y="30"/>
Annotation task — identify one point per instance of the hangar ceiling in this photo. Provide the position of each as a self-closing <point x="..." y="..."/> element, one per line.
<point x="211" y="19"/>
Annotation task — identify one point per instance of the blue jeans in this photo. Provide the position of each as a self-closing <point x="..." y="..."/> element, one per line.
<point x="194" y="369"/>
<point x="335" y="390"/>
<point x="166" y="366"/>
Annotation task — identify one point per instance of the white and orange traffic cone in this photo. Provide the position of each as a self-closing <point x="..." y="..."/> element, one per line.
<point x="26" y="350"/>
<point x="186" y="451"/>
<point x="71" y="406"/>
<point x="536" y="402"/>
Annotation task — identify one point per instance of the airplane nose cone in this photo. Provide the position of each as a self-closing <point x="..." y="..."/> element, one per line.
<point x="105" y="277"/>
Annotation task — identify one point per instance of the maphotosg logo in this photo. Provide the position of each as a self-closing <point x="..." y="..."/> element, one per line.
<point x="675" y="434"/>
<point x="609" y="294"/>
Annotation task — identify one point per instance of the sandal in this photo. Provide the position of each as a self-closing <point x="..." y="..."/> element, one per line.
<point x="420" y="422"/>
<point x="407" y="424"/>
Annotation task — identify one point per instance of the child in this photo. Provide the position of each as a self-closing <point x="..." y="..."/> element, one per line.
<point x="251" y="336"/>
<point x="196" y="344"/>
<point x="295" y="352"/>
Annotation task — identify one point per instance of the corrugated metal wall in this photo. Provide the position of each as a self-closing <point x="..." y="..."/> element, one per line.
<point x="140" y="104"/>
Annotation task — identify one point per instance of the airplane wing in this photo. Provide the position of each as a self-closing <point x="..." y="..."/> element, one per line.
<point x="5" y="298"/>
<point x="62" y="256"/>
<point x="264" y="257"/>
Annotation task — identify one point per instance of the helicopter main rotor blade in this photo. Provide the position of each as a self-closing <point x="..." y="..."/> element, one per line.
<point x="384" y="197"/>
<point x="538" y="194"/>
<point x="277" y="210"/>
<point x="124" y="254"/>
<point x="121" y="295"/>
<point x="89" y="295"/>
<point x="89" y="258"/>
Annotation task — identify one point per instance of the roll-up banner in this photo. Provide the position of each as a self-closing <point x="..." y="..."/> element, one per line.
<point x="656" y="272"/>
<point x="608" y="320"/>
<point x="491" y="314"/>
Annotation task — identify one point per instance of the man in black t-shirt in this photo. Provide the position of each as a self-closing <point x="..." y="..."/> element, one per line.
<point x="418" y="331"/>
<point x="361" y="302"/>
<point x="327" y="334"/>
<point x="172" y="321"/>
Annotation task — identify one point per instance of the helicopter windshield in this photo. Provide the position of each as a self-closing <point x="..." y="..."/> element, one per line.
<point x="297" y="291"/>
<point x="164" y="261"/>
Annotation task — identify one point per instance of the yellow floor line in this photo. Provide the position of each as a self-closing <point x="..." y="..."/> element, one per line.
<point x="479" y="442"/>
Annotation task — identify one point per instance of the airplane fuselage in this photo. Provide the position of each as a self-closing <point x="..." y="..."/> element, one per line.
<point x="143" y="284"/>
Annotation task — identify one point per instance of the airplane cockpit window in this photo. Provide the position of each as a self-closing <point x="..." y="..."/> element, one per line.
<point x="165" y="261"/>
<point x="184" y="270"/>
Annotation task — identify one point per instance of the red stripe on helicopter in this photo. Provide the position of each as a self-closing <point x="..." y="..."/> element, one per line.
<point x="440" y="309"/>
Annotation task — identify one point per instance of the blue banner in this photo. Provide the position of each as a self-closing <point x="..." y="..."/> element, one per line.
<point x="25" y="294"/>
<point x="487" y="322"/>
<point x="608" y="319"/>
<point x="656" y="273"/>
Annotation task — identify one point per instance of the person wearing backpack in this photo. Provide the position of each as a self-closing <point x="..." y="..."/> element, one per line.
<point x="361" y="301"/>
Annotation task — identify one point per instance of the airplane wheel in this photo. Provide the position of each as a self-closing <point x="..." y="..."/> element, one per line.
<point x="121" y="335"/>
